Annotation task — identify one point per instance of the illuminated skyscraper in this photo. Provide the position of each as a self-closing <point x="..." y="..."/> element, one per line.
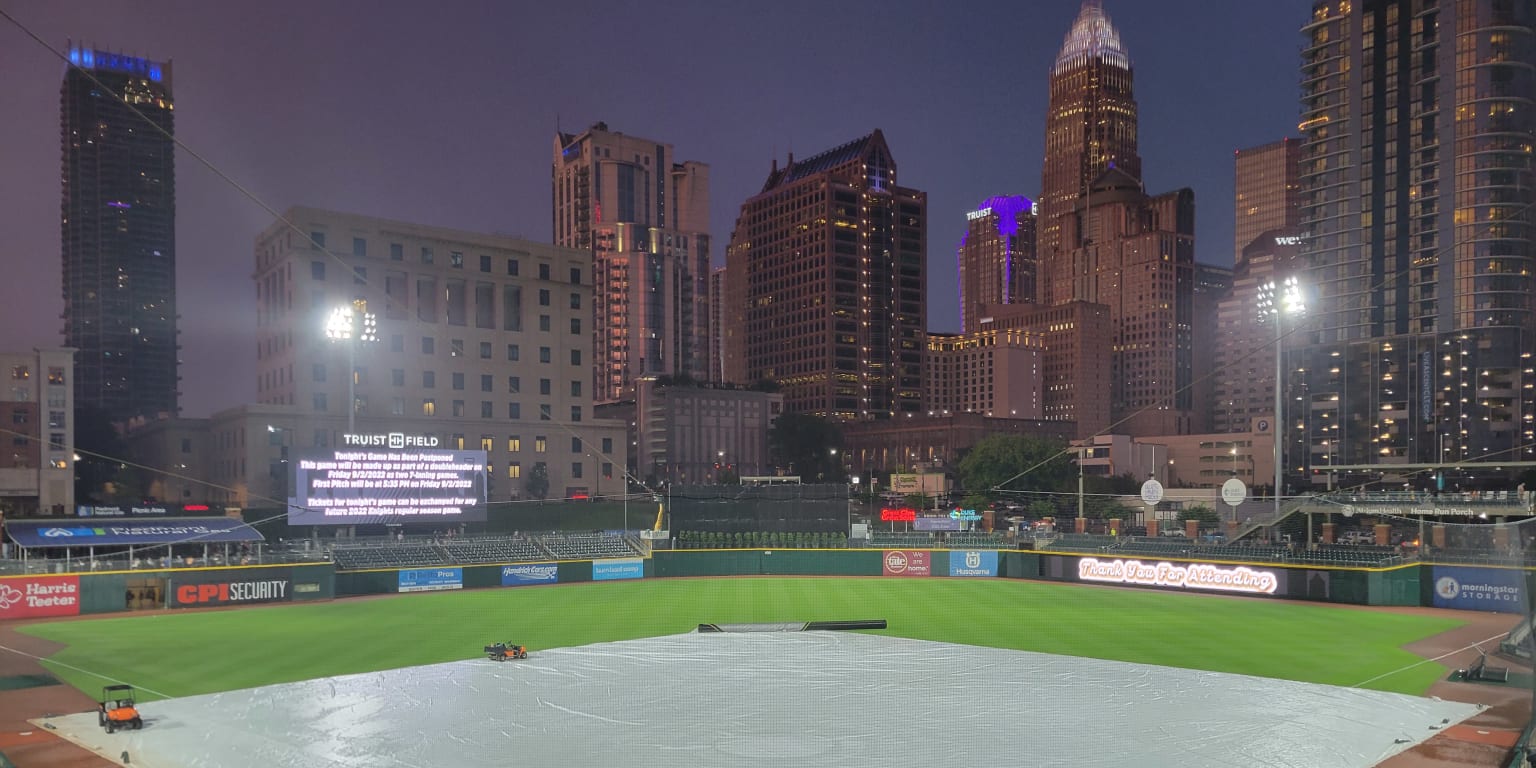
<point x="1267" y="191"/>
<point x="645" y="220"/>
<point x="1417" y="120"/>
<point x="1090" y="125"/>
<point x="824" y="283"/>
<point x="119" y="232"/>
<point x="997" y="257"/>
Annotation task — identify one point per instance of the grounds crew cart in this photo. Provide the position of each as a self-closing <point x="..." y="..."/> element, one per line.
<point x="117" y="709"/>
<point x="504" y="651"/>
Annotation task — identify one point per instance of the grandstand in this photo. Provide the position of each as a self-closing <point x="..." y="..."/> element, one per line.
<point x="478" y="550"/>
<point x="587" y="546"/>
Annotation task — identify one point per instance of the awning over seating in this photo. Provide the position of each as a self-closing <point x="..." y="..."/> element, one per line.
<point x="59" y="534"/>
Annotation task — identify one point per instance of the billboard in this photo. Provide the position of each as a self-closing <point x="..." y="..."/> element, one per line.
<point x="611" y="570"/>
<point x="906" y="562"/>
<point x="973" y="562"/>
<point x="935" y="524"/>
<point x="39" y="596"/>
<point x="1198" y="576"/>
<point x="431" y="579"/>
<point x="408" y="484"/>
<point x="198" y="589"/>
<point x="1479" y="589"/>
<point x="124" y="532"/>
<point x="520" y="575"/>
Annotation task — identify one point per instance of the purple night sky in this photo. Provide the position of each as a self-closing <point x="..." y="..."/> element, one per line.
<point x="444" y="114"/>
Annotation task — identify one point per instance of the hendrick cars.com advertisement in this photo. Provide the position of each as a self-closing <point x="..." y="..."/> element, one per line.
<point x="1479" y="589"/>
<point x="519" y="575"/>
<point x="198" y="590"/>
<point x="906" y="562"/>
<point x="39" y="596"/>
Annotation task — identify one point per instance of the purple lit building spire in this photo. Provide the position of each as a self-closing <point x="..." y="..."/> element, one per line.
<point x="996" y="257"/>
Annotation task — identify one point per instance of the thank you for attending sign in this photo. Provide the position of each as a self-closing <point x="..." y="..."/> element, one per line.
<point x="431" y="579"/>
<point x="906" y="562"/>
<point x="39" y="596"/>
<point x="613" y="570"/>
<point x="1479" y="589"/>
<point x="520" y="575"/>
<point x="1201" y="576"/>
<point x="973" y="562"/>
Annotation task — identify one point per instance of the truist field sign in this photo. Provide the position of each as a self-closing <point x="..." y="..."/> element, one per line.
<point x="1201" y="576"/>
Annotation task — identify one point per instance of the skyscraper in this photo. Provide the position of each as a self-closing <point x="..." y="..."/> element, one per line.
<point x="824" y="280"/>
<point x="1090" y="125"/>
<point x="1417" y="123"/>
<point x="1267" y="187"/>
<point x="645" y="220"/>
<point x="997" y="257"/>
<point x="1135" y="255"/>
<point x="119" y="232"/>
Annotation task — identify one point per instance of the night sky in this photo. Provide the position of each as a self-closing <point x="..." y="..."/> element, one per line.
<point x="444" y="114"/>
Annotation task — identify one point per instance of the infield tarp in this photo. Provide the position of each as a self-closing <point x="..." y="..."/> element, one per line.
<point x="778" y="699"/>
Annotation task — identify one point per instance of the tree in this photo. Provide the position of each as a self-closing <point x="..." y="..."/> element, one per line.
<point x="538" y="481"/>
<point x="1040" y="509"/>
<point x="804" y="443"/>
<point x="1200" y="512"/>
<point x="999" y="460"/>
<point x="976" y="501"/>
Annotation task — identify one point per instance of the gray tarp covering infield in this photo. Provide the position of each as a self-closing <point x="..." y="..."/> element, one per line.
<point x="778" y="699"/>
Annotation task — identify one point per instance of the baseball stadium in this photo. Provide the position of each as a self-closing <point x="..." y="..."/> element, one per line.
<point x="774" y="640"/>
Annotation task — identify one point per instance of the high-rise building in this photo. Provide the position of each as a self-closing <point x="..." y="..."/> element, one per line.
<point x="1418" y="187"/>
<point x="483" y="341"/>
<point x="1243" y="368"/>
<point x="717" y="316"/>
<point x="997" y="257"/>
<point x="824" y="280"/>
<point x="1075" y="364"/>
<point x="997" y="372"/>
<point x="1090" y="126"/>
<point x="645" y="221"/>
<point x="37" y="467"/>
<point x="119" y="232"/>
<point x="1267" y="187"/>
<point x="1135" y="255"/>
<point x="1211" y="285"/>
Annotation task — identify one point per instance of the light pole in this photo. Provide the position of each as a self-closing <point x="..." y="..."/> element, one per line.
<point x="1275" y="301"/>
<point x="352" y="324"/>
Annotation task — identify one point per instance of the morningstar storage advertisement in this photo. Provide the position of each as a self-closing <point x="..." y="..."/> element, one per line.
<point x="215" y="588"/>
<point x="1501" y="590"/>
<point x="376" y="483"/>
<point x="39" y="596"/>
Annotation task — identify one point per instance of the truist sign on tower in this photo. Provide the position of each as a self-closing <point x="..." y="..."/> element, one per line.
<point x="390" y="440"/>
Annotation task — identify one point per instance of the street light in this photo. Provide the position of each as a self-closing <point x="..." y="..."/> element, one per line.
<point x="352" y="324"/>
<point x="1275" y="301"/>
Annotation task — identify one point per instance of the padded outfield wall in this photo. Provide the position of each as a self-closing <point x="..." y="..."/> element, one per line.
<point x="73" y="594"/>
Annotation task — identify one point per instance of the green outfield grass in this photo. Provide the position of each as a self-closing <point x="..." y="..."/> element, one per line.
<point x="180" y="654"/>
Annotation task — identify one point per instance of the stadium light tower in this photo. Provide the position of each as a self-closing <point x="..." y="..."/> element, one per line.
<point x="1276" y="300"/>
<point x="353" y="325"/>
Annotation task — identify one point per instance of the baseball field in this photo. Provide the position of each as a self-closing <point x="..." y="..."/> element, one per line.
<point x="186" y="653"/>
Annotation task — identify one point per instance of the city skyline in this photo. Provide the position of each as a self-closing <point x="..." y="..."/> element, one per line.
<point x="288" y="127"/>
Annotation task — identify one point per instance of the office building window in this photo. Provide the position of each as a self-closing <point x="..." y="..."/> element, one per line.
<point x="514" y="410"/>
<point x="575" y="276"/>
<point x="318" y="238"/>
<point x="544" y="386"/>
<point x="428" y="379"/>
<point x="575" y="357"/>
<point x="458" y="408"/>
<point x="607" y="445"/>
<point x="428" y="345"/>
<point x="575" y="301"/>
<point x="458" y="382"/>
<point x="515" y="470"/>
<point x="545" y="354"/>
<point x="485" y="410"/>
<point x="456" y="259"/>
<point x="485" y="263"/>
<point x="575" y="389"/>
<point x="575" y="413"/>
<point x="426" y="255"/>
<point x="514" y="444"/>
<point x="540" y="444"/>
<point x="359" y="246"/>
<point x="317" y="270"/>
<point x="486" y="380"/>
<point x="514" y="384"/>
<point x="543" y="271"/>
<point x="512" y="267"/>
<point x="485" y="350"/>
<point x="396" y="252"/>
<point x="318" y="372"/>
<point x="319" y="401"/>
<point x="514" y="353"/>
<point x="575" y="445"/>
<point x="543" y="297"/>
<point x="575" y="469"/>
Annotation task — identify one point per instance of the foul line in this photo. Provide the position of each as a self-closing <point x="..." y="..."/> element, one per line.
<point x="41" y="660"/>
<point x="1426" y="661"/>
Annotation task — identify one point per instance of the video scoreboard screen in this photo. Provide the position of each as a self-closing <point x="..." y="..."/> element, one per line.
<point x="357" y="485"/>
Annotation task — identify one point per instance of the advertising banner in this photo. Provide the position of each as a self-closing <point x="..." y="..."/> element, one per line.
<point x="431" y="579"/>
<point x="1479" y="589"/>
<point x="198" y="589"/>
<point x="39" y="596"/>
<point x="936" y="524"/>
<point x="906" y="562"/>
<point x="118" y="533"/>
<point x="520" y="575"/>
<point x="612" y="570"/>
<point x="1199" y="576"/>
<point x="973" y="562"/>
<point x="391" y="481"/>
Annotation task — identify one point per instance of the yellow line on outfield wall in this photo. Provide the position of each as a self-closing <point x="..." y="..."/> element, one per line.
<point x="154" y="571"/>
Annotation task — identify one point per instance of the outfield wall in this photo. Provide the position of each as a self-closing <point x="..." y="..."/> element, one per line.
<point x="1485" y="588"/>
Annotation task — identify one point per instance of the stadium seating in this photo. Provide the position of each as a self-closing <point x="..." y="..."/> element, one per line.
<point x="976" y="541"/>
<point x="469" y="551"/>
<point x="912" y="540"/>
<point x="586" y="546"/>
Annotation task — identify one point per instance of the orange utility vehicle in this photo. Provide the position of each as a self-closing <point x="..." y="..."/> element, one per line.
<point x="504" y="651"/>
<point x="118" y="709"/>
